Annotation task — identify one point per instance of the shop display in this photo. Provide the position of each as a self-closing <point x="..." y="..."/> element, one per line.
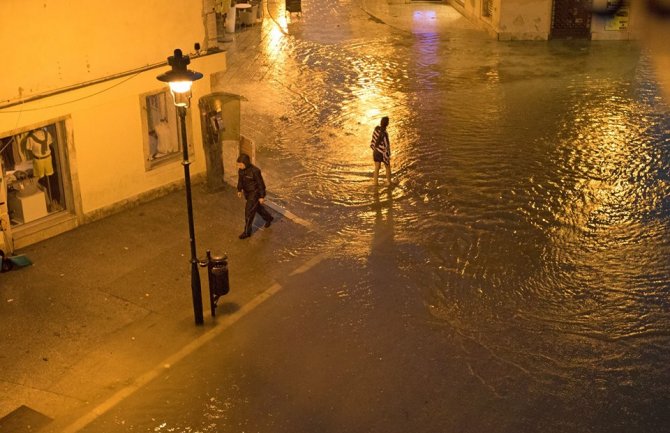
<point x="30" y="175"/>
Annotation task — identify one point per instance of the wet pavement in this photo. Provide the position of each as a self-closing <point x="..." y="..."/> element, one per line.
<point x="515" y="280"/>
<point x="106" y="302"/>
<point x="533" y="210"/>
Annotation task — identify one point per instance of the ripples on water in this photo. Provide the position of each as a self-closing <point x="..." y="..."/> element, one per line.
<point x="534" y="192"/>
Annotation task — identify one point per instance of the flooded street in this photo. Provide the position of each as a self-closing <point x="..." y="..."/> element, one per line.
<point x="515" y="278"/>
<point x="533" y="211"/>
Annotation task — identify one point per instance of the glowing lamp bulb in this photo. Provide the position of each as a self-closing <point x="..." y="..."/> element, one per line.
<point x="180" y="86"/>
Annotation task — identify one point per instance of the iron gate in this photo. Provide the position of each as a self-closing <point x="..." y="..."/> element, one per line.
<point x="571" y="19"/>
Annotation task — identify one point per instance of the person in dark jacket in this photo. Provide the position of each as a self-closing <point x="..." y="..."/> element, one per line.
<point x="250" y="182"/>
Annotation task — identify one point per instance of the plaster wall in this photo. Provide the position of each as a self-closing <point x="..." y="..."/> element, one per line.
<point x="525" y="20"/>
<point x="472" y="9"/>
<point x="51" y="44"/>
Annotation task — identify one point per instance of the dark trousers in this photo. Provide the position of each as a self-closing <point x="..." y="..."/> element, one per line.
<point x="250" y="210"/>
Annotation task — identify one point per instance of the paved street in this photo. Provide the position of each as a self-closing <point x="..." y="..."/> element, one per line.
<point x="318" y="357"/>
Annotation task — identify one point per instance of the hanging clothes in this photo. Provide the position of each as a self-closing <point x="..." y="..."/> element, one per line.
<point x="19" y="152"/>
<point x="39" y="144"/>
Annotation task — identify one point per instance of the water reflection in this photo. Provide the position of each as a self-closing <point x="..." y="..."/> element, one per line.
<point x="383" y="231"/>
<point x="534" y="195"/>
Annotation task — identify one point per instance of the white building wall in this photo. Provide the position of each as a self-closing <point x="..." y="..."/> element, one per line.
<point x="524" y="20"/>
<point x="510" y="19"/>
<point x="106" y="134"/>
<point x="531" y="20"/>
<point x="48" y="44"/>
<point x="58" y="48"/>
<point x="472" y="9"/>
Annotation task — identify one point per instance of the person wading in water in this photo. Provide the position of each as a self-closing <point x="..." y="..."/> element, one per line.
<point x="381" y="150"/>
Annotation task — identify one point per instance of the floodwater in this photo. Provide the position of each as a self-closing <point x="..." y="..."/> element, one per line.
<point x="533" y="208"/>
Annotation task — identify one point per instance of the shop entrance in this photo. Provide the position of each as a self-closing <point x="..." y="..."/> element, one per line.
<point x="33" y="167"/>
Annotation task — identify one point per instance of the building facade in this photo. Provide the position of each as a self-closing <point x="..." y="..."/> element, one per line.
<point x="546" y="19"/>
<point x="85" y="126"/>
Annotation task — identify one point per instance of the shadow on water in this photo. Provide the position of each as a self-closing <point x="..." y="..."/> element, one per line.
<point x="383" y="230"/>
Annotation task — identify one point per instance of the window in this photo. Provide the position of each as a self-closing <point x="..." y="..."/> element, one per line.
<point x="33" y="170"/>
<point x="162" y="142"/>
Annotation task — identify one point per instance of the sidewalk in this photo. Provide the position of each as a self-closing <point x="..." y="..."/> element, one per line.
<point x="111" y="299"/>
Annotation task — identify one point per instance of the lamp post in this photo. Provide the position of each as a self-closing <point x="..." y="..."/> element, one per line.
<point x="180" y="80"/>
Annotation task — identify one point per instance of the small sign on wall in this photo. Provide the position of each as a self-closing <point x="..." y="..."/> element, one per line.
<point x="620" y="20"/>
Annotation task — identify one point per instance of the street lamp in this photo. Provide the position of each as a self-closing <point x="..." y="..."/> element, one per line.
<point x="180" y="80"/>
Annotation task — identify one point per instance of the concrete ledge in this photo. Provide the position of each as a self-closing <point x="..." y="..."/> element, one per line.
<point x="523" y="36"/>
<point x="138" y="199"/>
<point x="45" y="228"/>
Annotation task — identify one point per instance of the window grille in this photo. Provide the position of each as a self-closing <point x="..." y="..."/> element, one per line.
<point x="487" y="8"/>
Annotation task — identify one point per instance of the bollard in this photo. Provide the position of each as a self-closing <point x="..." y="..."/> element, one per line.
<point x="217" y="273"/>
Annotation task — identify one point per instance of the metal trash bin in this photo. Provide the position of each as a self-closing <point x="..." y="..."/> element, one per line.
<point x="219" y="283"/>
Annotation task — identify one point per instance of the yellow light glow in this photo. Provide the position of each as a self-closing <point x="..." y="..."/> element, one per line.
<point x="180" y="86"/>
<point x="273" y="47"/>
<point x="372" y="113"/>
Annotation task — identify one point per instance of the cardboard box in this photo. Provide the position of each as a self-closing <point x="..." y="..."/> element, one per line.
<point x="25" y="209"/>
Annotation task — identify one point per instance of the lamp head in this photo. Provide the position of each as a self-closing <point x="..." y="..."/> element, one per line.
<point x="179" y="78"/>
